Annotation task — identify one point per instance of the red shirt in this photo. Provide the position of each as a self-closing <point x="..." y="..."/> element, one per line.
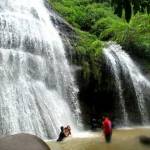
<point x="107" y="126"/>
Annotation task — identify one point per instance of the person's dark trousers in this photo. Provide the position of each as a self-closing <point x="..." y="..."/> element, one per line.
<point x="108" y="138"/>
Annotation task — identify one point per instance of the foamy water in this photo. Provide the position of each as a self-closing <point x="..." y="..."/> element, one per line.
<point x="87" y="134"/>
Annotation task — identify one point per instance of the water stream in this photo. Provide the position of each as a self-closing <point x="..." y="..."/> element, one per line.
<point x="128" y="77"/>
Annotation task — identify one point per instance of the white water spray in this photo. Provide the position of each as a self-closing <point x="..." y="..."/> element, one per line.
<point x="37" y="89"/>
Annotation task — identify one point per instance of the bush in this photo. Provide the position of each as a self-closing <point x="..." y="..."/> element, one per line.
<point x="134" y="36"/>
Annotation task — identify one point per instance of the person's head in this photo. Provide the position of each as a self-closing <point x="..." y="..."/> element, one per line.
<point x="61" y="128"/>
<point x="105" y="118"/>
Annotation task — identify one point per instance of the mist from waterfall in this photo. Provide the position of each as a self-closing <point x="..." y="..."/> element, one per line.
<point x="37" y="90"/>
<point x="127" y="77"/>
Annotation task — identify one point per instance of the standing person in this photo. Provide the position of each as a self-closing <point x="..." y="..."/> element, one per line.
<point x="107" y="129"/>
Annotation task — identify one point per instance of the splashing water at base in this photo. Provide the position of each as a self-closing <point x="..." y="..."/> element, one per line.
<point x="86" y="134"/>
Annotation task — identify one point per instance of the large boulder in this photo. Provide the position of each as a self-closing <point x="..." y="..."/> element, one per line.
<point x="144" y="140"/>
<point x="22" y="142"/>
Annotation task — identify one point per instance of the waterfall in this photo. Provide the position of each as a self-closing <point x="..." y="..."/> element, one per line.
<point x="37" y="89"/>
<point x="130" y="84"/>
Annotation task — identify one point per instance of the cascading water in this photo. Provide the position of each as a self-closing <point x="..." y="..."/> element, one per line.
<point x="37" y="89"/>
<point x="127" y="77"/>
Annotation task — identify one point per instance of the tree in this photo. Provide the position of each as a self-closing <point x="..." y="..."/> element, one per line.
<point x="130" y="7"/>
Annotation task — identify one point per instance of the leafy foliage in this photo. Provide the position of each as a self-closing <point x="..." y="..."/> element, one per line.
<point x="95" y="22"/>
<point x="134" y="36"/>
<point x="88" y="54"/>
<point x="82" y="14"/>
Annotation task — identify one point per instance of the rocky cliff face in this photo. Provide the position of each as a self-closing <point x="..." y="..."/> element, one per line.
<point x="66" y="31"/>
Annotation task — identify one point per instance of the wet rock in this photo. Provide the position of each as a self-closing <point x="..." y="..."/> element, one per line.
<point x="22" y="142"/>
<point x="144" y="140"/>
<point x="66" y="31"/>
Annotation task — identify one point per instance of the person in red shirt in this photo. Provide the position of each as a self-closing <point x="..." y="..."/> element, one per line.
<point x="107" y="129"/>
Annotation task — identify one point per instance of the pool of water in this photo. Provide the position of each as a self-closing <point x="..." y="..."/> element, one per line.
<point x="122" y="139"/>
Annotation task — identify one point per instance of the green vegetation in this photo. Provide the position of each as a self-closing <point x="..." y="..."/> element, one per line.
<point x="94" y="22"/>
<point x="81" y="15"/>
<point x="133" y="36"/>
<point x="101" y="24"/>
<point x="88" y="54"/>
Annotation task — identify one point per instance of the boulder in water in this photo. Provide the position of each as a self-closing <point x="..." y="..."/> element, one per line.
<point x="145" y="140"/>
<point x="22" y="142"/>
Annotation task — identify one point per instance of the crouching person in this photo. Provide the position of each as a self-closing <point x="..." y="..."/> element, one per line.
<point x="65" y="132"/>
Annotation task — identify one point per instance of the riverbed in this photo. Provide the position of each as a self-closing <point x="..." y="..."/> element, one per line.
<point x="122" y="139"/>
